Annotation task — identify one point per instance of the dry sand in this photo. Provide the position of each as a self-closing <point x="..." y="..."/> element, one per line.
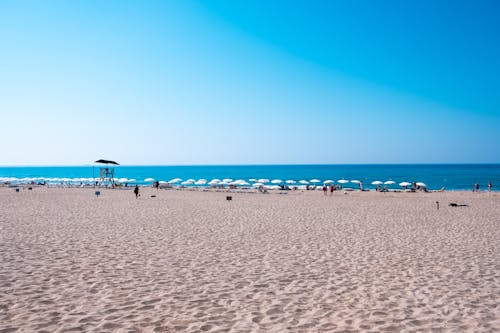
<point x="301" y="262"/>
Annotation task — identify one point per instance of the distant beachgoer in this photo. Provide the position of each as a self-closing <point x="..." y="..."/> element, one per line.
<point x="361" y="186"/>
<point x="136" y="191"/>
<point x="332" y="188"/>
<point x="489" y="186"/>
<point x="476" y="187"/>
<point x="324" y="189"/>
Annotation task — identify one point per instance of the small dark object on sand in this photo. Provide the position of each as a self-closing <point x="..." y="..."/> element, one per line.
<point x="229" y="198"/>
<point x="437" y="204"/>
<point x="452" y="204"/>
<point x="153" y="196"/>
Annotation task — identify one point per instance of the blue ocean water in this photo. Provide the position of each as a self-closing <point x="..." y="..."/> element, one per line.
<point x="436" y="176"/>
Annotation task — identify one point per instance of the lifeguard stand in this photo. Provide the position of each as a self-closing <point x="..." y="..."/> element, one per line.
<point x="106" y="176"/>
<point x="106" y="173"/>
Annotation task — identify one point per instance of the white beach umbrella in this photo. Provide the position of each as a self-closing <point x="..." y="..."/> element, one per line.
<point x="201" y="182"/>
<point x="123" y="180"/>
<point x="187" y="182"/>
<point x="147" y="180"/>
<point x="342" y="181"/>
<point x="404" y="184"/>
<point x="274" y="187"/>
<point x="214" y="181"/>
<point x="263" y="180"/>
<point x="175" y="180"/>
<point x="315" y="181"/>
<point x="305" y="182"/>
<point x="355" y="181"/>
<point x="276" y="181"/>
<point x="162" y="182"/>
<point x="377" y="182"/>
<point x="389" y="182"/>
<point x="132" y="180"/>
<point x="290" y="181"/>
<point x="421" y="184"/>
<point x="253" y="180"/>
<point x="240" y="182"/>
<point x="329" y="181"/>
<point x="257" y="185"/>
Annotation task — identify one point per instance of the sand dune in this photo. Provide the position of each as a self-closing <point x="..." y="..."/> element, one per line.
<point x="301" y="262"/>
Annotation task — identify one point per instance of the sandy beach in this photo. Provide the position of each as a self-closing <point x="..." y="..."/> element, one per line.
<point x="190" y="261"/>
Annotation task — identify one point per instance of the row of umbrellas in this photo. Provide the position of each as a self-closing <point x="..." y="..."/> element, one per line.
<point x="263" y="181"/>
<point x="201" y="182"/>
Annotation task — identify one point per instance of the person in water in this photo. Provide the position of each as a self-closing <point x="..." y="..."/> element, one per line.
<point x="136" y="191"/>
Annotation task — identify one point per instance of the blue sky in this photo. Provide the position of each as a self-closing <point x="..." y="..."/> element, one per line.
<point x="240" y="82"/>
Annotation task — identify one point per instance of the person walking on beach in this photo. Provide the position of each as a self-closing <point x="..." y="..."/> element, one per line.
<point x="324" y="189"/>
<point x="332" y="188"/>
<point x="489" y="186"/>
<point x="136" y="191"/>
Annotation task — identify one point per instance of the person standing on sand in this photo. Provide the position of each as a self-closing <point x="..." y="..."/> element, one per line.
<point x="489" y="186"/>
<point x="332" y="188"/>
<point x="476" y="187"/>
<point x="324" y="189"/>
<point x="136" y="191"/>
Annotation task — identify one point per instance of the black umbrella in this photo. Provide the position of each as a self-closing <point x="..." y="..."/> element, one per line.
<point x="106" y="162"/>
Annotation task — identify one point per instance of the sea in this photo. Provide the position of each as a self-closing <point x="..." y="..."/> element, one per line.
<point x="435" y="176"/>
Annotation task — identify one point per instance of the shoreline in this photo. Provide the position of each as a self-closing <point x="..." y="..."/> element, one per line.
<point x="239" y="190"/>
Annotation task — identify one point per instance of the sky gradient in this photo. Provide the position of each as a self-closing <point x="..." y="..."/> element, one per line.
<point x="239" y="82"/>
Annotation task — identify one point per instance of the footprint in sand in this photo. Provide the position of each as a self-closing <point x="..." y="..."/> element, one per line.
<point x="152" y="301"/>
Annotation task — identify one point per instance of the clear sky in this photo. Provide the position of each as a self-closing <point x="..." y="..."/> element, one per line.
<point x="249" y="82"/>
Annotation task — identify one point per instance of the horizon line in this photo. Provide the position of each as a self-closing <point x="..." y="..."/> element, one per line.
<point x="240" y="165"/>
